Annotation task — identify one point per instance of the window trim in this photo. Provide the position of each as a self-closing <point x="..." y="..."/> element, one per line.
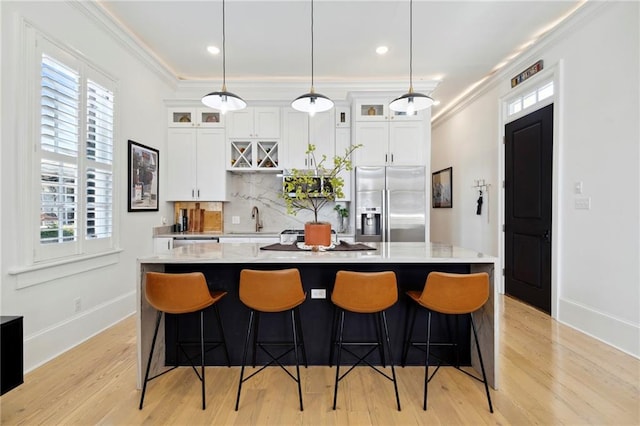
<point x="33" y="42"/>
<point x="534" y="85"/>
<point x="43" y="272"/>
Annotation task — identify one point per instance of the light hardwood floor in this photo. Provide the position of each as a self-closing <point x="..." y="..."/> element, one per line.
<point x="550" y="374"/>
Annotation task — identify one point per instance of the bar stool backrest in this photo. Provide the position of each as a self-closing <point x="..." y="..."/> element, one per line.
<point x="455" y="293"/>
<point x="177" y="293"/>
<point x="365" y="292"/>
<point x="271" y="291"/>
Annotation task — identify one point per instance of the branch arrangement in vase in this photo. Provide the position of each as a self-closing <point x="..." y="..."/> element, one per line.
<point x="301" y="189"/>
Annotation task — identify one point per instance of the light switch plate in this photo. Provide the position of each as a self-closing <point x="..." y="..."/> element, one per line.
<point x="577" y="188"/>
<point x="235" y="220"/>
<point x="318" y="293"/>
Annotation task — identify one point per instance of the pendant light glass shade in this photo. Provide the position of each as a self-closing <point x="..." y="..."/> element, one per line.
<point x="223" y="100"/>
<point x="312" y="102"/>
<point x="411" y="102"/>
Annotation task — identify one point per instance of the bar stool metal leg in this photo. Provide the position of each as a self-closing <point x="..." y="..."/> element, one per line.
<point x="393" y="371"/>
<point x="295" y="351"/>
<point x="340" y="329"/>
<point x="202" y="356"/>
<point x="484" y="376"/>
<point x="426" y="363"/>
<point x="153" y="345"/>
<point x="256" y="328"/>
<point x="407" y="341"/>
<point x="221" y="330"/>
<point x="379" y="338"/>
<point x="302" y="346"/>
<point x="244" y="357"/>
<point x="334" y="334"/>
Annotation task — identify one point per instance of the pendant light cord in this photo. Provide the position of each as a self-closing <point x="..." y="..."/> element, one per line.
<point x="311" y="45"/>
<point x="410" y="46"/>
<point x="224" y="52"/>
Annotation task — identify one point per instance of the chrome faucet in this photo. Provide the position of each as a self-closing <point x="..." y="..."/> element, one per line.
<point x="255" y="214"/>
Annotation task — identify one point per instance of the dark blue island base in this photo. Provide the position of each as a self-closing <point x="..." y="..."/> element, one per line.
<point x="316" y="314"/>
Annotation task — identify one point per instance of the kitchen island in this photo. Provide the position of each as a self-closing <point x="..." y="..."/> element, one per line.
<point x="221" y="264"/>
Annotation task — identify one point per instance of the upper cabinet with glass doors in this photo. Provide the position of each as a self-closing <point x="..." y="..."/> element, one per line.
<point x="378" y="110"/>
<point x="194" y="117"/>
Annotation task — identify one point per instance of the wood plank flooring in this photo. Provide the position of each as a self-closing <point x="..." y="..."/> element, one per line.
<point x="550" y="374"/>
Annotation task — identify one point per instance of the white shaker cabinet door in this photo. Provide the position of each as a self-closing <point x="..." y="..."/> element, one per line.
<point x="295" y="138"/>
<point x="322" y="135"/>
<point x="180" y="159"/>
<point x="210" y="165"/>
<point x="407" y="143"/>
<point x="266" y="122"/>
<point x="196" y="165"/>
<point x="374" y="138"/>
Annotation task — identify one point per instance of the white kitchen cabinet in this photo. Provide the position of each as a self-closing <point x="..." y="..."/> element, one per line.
<point x="343" y="142"/>
<point x="254" y="155"/>
<point x="190" y="117"/>
<point x="300" y="130"/>
<point x="162" y="245"/>
<point x="378" y="110"/>
<point x="254" y="123"/>
<point x="343" y="116"/>
<point x="389" y="138"/>
<point x="196" y="168"/>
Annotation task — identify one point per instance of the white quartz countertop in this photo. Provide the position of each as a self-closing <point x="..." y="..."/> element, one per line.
<point x="205" y="235"/>
<point x="385" y="253"/>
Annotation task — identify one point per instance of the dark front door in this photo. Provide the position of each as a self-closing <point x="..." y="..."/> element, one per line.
<point x="528" y="190"/>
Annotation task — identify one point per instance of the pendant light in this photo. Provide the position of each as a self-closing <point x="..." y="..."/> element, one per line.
<point x="411" y="101"/>
<point x="223" y="101"/>
<point x="312" y="102"/>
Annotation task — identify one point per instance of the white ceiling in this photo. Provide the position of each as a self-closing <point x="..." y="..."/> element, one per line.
<point x="455" y="43"/>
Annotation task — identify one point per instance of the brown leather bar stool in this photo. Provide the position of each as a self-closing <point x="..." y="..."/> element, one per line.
<point x="270" y="292"/>
<point x="364" y="293"/>
<point x="182" y="294"/>
<point x="450" y="294"/>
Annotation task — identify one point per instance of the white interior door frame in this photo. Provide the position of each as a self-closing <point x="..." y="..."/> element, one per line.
<point x="553" y="73"/>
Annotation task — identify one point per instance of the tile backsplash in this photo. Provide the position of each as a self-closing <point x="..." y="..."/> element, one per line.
<point x="246" y="190"/>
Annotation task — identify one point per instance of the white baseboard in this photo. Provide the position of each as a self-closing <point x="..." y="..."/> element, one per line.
<point x="610" y="330"/>
<point x="49" y="343"/>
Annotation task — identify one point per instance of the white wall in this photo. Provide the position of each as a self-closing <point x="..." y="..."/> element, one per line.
<point x="51" y="325"/>
<point x="467" y="142"/>
<point x="597" y="275"/>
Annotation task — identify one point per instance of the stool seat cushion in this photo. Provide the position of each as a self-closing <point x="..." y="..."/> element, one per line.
<point x="179" y="293"/>
<point x="453" y="293"/>
<point x="365" y="292"/>
<point x="271" y="291"/>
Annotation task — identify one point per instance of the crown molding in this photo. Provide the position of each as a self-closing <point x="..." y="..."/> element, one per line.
<point x="585" y="12"/>
<point x="118" y="32"/>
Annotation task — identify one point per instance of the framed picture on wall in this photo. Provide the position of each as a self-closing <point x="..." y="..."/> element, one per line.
<point x="442" y="188"/>
<point x="144" y="170"/>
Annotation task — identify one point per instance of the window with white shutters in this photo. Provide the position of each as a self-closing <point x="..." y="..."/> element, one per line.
<point x="75" y="155"/>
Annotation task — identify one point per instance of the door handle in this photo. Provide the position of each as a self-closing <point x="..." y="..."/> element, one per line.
<point x="547" y="236"/>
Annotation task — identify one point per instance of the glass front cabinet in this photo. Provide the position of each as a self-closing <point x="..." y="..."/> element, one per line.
<point x="195" y="117"/>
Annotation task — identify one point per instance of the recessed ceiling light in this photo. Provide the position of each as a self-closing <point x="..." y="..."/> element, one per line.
<point x="381" y="50"/>
<point x="213" y="50"/>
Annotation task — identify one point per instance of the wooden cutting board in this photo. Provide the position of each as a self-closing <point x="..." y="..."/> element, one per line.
<point x="212" y="221"/>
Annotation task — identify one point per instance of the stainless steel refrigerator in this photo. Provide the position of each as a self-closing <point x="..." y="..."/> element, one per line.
<point x="390" y="203"/>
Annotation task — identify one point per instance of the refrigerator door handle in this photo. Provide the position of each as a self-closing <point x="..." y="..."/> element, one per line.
<point x="386" y="231"/>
